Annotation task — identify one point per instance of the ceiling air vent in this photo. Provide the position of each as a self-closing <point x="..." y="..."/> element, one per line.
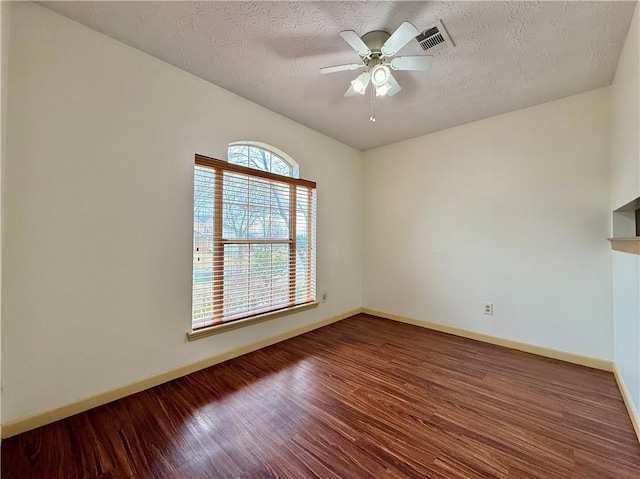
<point x="434" y="39"/>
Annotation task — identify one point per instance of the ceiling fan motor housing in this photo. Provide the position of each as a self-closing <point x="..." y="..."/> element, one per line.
<point x="374" y="40"/>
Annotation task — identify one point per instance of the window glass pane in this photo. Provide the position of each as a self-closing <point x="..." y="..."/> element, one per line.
<point x="202" y="300"/>
<point x="279" y="224"/>
<point x="256" y="278"/>
<point x="254" y="208"/>
<point x="280" y="274"/>
<point x="236" y="279"/>
<point x="259" y="159"/>
<point x="259" y="192"/>
<point x="238" y="155"/>
<point x="203" y="184"/>
<point x="235" y="188"/>
<point x="303" y="264"/>
<point x="235" y="222"/>
<point x="269" y="281"/>
<point x="278" y="165"/>
<point x="258" y="222"/>
<point x="280" y="210"/>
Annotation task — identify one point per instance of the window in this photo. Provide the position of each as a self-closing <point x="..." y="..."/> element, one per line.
<point x="253" y="236"/>
<point x="262" y="157"/>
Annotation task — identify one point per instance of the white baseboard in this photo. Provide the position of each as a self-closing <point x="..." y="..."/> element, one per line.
<point x="508" y="343"/>
<point x="40" y="419"/>
<point x="633" y="414"/>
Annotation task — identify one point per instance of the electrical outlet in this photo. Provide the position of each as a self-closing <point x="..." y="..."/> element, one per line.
<point x="324" y="295"/>
<point x="488" y="308"/>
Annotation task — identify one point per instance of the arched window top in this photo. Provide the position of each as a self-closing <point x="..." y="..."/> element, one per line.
<point x="263" y="157"/>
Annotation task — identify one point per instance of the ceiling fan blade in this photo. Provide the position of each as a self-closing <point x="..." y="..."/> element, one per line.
<point x="395" y="88"/>
<point x="399" y="39"/>
<point x="415" y="63"/>
<point x="356" y="42"/>
<point x="341" y="68"/>
<point x="359" y="85"/>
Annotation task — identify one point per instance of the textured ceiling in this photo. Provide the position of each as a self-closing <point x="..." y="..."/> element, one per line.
<point x="508" y="55"/>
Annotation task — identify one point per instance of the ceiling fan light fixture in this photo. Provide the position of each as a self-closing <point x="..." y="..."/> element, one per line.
<point x="360" y="84"/>
<point x="382" y="90"/>
<point x="380" y="75"/>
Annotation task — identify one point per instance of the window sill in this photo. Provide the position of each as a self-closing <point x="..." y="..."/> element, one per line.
<point x="240" y="323"/>
<point x="626" y="245"/>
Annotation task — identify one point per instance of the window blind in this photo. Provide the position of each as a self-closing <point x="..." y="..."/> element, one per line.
<point x="253" y="242"/>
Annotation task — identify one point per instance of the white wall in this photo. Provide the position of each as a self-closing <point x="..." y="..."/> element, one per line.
<point x="98" y="212"/>
<point x="625" y="126"/>
<point x="4" y="57"/>
<point x="625" y="154"/>
<point x="512" y="210"/>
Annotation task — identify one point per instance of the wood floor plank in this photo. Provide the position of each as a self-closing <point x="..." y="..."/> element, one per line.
<point x="361" y="398"/>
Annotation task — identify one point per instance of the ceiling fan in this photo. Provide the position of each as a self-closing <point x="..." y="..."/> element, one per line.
<point x="377" y="50"/>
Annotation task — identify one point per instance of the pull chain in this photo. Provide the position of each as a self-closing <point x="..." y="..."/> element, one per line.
<point x="372" y="118"/>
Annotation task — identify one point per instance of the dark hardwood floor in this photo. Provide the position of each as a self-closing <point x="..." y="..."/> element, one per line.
<point x="362" y="398"/>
